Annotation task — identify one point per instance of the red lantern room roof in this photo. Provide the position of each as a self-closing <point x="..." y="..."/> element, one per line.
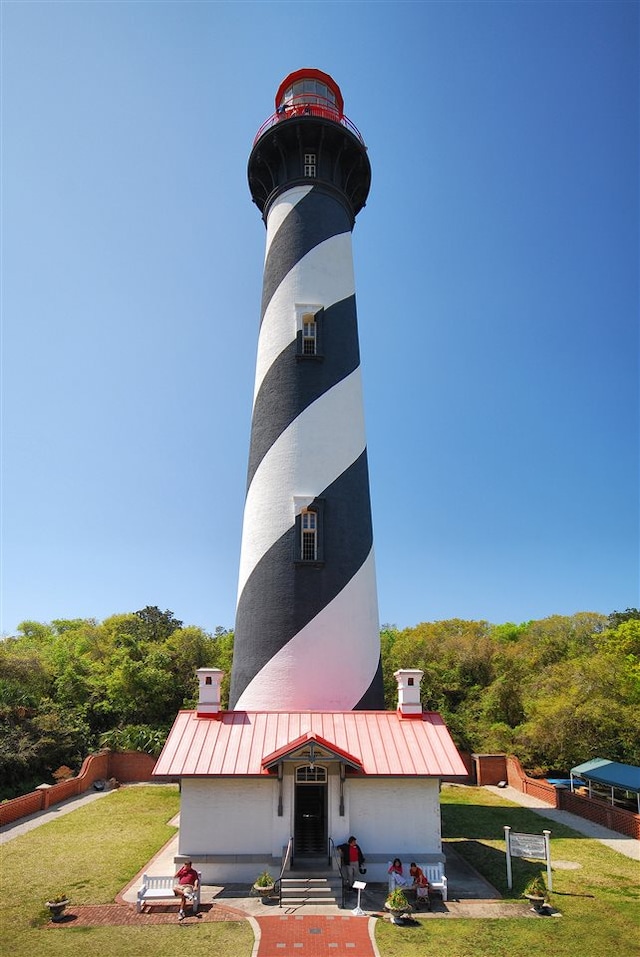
<point x="319" y="89"/>
<point x="308" y="94"/>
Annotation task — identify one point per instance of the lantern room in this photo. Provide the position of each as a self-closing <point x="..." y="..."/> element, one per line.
<point x="309" y="92"/>
<point x="310" y="141"/>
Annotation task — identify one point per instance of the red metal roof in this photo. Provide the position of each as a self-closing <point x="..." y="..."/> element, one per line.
<point x="310" y="736"/>
<point x="237" y="742"/>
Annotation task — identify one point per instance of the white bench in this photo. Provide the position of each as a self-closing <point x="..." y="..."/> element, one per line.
<point x="434" y="874"/>
<point x="436" y="877"/>
<point x="160" y="888"/>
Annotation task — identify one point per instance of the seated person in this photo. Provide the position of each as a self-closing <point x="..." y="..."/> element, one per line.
<point x="187" y="882"/>
<point x="396" y="877"/>
<point x="420" y="882"/>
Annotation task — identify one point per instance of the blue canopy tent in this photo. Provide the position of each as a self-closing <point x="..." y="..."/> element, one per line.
<point x="623" y="777"/>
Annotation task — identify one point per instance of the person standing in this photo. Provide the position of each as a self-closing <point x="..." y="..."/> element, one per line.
<point x="352" y="859"/>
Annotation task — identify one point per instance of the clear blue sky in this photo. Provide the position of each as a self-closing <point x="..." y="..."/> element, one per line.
<point x="497" y="288"/>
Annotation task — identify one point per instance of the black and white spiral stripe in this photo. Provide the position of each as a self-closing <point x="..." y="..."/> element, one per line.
<point x="307" y="637"/>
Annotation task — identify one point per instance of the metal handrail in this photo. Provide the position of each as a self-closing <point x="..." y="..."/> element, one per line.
<point x="337" y="859"/>
<point x="285" y="860"/>
<point x="308" y="109"/>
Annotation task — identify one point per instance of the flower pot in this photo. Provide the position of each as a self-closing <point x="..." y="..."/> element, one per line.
<point x="535" y="900"/>
<point x="397" y="911"/>
<point x="263" y="891"/>
<point x="57" y="909"/>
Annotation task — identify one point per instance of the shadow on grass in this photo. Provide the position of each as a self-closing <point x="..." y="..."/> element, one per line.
<point x="483" y="822"/>
<point x="491" y="863"/>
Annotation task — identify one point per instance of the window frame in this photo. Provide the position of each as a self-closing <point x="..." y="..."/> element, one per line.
<point x="305" y="312"/>
<point x="304" y="506"/>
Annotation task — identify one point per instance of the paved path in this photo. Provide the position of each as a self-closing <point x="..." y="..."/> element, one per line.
<point x="613" y="839"/>
<point x="25" y="824"/>
<point x="316" y="936"/>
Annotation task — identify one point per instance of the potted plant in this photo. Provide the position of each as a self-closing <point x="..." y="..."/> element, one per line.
<point x="536" y="892"/>
<point x="397" y="903"/>
<point x="264" y="884"/>
<point x="57" y="905"/>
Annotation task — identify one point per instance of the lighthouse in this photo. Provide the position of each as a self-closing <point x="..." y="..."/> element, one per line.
<point x="307" y="627"/>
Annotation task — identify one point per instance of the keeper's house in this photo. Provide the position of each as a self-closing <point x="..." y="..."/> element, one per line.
<point x="254" y="783"/>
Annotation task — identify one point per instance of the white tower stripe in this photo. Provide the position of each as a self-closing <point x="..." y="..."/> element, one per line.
<point x="327" y="662"/>
<point x="318" y="446"/>
<point x="323" y="276"/>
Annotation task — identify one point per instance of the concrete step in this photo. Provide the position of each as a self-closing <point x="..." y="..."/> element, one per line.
<point x="310" y="890"/>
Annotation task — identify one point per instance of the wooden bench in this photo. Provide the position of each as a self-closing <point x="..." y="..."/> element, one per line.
<point x="160" y="888"/>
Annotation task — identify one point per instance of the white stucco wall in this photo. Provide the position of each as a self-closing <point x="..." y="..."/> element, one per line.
<point x="234" y="822"/>
<point x="231" y="829"/>
<point x="394" y="818"/>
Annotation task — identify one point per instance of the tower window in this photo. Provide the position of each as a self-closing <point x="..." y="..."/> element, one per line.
<point x="309" y="336"/>
<point x="309" y="532"/>
<point x="309" y="331"/>
<point x="309" y="164"/>
<point x="309" y="91"/>
<point x="309" y="544"/>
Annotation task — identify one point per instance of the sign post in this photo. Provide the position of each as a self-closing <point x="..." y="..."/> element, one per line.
<point x="535" y="846"/>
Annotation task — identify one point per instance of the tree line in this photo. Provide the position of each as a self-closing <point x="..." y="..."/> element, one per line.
<point x="556" y="691"/>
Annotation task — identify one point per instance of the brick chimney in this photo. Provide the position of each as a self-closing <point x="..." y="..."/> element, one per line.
<point x="209" y="681"/>
<point x="409" y="691"/>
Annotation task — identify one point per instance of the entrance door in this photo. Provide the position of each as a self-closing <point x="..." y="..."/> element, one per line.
<point x="310" y="826"/>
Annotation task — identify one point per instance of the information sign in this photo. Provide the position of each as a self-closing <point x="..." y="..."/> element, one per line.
<point x="528" y="845"/>
<point x="535" y="846"/>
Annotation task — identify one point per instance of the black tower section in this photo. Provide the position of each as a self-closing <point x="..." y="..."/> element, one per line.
<point x="277" y="161"/>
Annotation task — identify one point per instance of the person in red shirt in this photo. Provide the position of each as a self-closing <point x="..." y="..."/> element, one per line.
<point x="352" y="859"/>
<point x="397" y="877"/>
<point x="187" y="882"/>
<point x="420" y="882"/>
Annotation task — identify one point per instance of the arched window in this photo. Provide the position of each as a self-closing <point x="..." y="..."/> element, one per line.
<point x="311" y="774"/>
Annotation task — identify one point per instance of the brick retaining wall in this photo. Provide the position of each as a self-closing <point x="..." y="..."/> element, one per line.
<point x="593" y="809"/>
<point x="124" y="766"/>
<point x="128" y="766"/>
<point x="489" y="768"/>
<point x="615" y="818"/>
<point x="518" y="779"/>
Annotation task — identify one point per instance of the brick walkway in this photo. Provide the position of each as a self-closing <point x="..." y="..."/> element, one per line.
<point x="123" y="915"/>
<point x="280" y="936"/>
<point x="291" y="935"/>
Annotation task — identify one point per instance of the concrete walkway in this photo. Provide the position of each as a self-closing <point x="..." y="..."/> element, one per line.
<point x="613" y="839"/>
<point x="25" y="824"/>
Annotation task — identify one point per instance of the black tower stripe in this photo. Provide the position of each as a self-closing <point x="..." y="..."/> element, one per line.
<point x="287" y="389"/>
<point x="299" y="592"/>
<point x="311" y="221"/>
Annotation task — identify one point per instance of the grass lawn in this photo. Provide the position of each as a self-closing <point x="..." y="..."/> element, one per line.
<point x="600" y="900"/>
<point x="92" y="854"/>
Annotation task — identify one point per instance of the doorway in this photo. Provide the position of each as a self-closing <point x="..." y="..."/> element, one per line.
<point x="310" y="820"/>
